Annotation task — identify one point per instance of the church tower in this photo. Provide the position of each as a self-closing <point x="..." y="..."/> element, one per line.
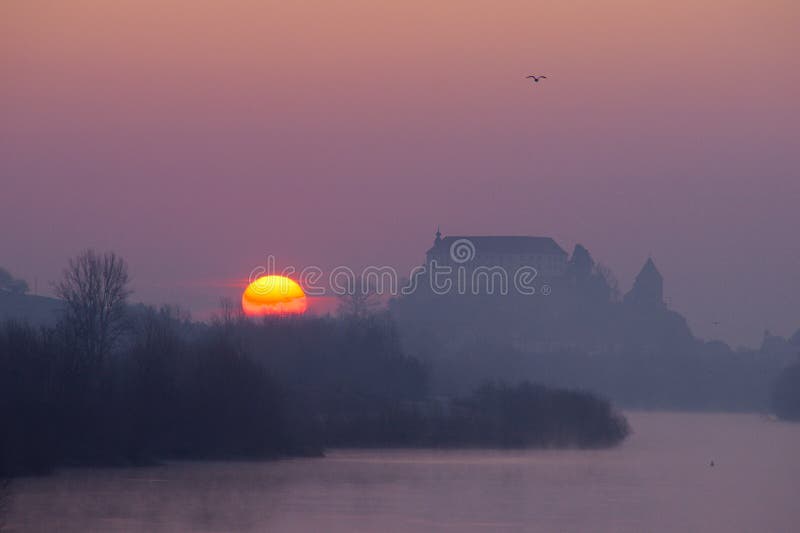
<point x="648" y="289"/>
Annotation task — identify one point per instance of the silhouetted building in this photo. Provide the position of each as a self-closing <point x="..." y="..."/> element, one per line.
<point x="648" y="289"/>
<point x="509" y="252"/>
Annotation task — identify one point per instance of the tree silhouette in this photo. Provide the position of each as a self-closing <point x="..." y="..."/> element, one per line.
<point x="94" y="288"/>
<point x="360" y="302"/>
<point x="5" y="493"/>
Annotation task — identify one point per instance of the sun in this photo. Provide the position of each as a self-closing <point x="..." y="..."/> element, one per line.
<point x="273" y="295"/>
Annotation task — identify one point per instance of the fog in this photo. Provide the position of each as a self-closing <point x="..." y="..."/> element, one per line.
<point x="399" y="266"/>
<point x="194" y="142"/>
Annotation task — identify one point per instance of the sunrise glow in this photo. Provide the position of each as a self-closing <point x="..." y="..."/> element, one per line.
<point x="274" y="295"/>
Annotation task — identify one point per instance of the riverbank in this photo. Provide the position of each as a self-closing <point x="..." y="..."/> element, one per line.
<point x="657" y="480"/>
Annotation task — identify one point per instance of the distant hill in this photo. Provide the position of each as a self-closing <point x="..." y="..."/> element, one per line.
<point x="37" y="310"/>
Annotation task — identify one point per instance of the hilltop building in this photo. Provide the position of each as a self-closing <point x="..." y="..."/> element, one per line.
<point x="509" y="252"/>
<point x="580" y="312"/>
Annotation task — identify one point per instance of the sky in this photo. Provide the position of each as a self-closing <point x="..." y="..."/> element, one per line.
<point x="195" y="138"/>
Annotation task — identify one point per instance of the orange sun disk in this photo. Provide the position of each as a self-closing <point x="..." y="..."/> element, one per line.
<point x="274" y="295"/>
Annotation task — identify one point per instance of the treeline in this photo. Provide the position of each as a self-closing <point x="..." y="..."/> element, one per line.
<point x="786" y="393"/>
<point x="634" y="350"/>
<point x="173" y="388"/>
<point x="178" y="389"/>
<point x="115" y="384"/>
<point x="164" y="395"/>
<point x="661" y="379"/>
<point x="495" y="415"/>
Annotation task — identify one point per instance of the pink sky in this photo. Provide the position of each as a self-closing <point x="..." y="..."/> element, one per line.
<point x="196" y="137"/>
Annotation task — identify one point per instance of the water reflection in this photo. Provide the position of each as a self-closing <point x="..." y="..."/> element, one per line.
<point x="659" y="480"/>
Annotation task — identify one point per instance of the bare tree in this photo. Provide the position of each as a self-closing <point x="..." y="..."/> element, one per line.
<point x="610" y="280"/>
<point x="94" y="288"/>
<point x="360" y="301"/>
<point x="228" y="315"/>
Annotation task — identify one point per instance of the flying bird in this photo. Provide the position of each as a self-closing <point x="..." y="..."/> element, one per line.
<point x="536" y="78"/>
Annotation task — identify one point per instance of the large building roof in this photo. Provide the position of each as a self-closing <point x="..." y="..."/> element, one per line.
<point x="504" y="244"/>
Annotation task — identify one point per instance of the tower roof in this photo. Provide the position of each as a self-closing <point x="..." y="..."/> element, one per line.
<point x="505" y="244"/>
<point x="649" y="270"/>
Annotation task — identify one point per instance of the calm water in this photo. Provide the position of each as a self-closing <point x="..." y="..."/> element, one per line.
<point x="659" y="480"/>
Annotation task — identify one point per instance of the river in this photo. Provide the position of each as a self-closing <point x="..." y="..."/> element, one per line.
<point x="660" y="479"/>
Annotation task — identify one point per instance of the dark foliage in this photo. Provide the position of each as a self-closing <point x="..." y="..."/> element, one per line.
<point x="117" y="384"/>
<point x="580" y="337"/>
<point x="495" y="415"/>
<point x="534" y="415"/>
<point x="711" y="381"/>
<point x="238" y="388"/>
<point x="786" y="393"/>
<point x="5" y="496"/>
<point x="172" y="392"/>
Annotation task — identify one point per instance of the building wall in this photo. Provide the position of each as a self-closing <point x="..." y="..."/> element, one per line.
<point x="548" y="265"/>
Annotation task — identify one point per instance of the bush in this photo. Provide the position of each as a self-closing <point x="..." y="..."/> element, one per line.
<point x="177" y="389"/>
<point x="786" y="393"/>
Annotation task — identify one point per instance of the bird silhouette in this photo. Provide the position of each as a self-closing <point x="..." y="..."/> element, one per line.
<point x="536" y="78"/>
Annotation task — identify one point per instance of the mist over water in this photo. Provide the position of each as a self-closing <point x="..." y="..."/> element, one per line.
<point x="505" y="228"/>
<point x="660" y="479"/>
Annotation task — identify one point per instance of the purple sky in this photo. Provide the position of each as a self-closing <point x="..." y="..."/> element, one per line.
<point x="195" y="138"/>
